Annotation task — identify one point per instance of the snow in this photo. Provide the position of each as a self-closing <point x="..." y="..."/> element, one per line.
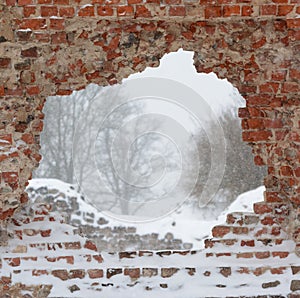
<point x="178" y="66"/>
<point x="181" y="284"/>
<point x="184" y="223"/>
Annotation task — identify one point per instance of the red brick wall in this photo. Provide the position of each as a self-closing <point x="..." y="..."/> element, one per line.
<point x="50" y="47"/>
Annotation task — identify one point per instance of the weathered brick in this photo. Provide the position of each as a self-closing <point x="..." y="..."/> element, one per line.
<point x="66" y="12"/>
<point x="134" y="273"/>
<point x="113" y="271"/>
<point x="149" y="272"/>
<point x="87" y="11"/>
<point x="48" y="11"/>
<point x="177" y="11"/>
<point x="5" y="62"/>
<point x="61" y="274"/>
<point x="76" y="273"/>
<point x="213" y="12"/>
<point x="220" y="231"/>
<point x="95" y="273"/>
<point x="231" y="10"/>
<point x="168" y="272"/>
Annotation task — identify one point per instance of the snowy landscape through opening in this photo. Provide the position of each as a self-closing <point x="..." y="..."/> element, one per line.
<point x="153" y="159"/>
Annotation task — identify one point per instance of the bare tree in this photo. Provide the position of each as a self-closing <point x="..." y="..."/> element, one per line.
<point x="241" y="174"/>
<point x="65" y="117"/>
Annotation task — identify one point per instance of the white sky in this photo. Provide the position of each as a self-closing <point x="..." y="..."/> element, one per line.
<point x="179" y="66"/>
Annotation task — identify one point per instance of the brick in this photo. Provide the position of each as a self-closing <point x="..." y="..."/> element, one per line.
<point x="268" y="9"/>
<point x="286" y="171"/>
<point x="61" y="274"/>
<point x="57" y="24"/>
<point x="5" y="140"/>
<point x="231" y="10"/>
<point x="220" y="231"/>
<point x="258" y="160"/>
<point x="243" y="270"/>
<point x="10" y="177"/>
<point x="127" y="255"/>
<point x="295" y="286"/>
<point x="259" y="271"/>
<point x="269" y="87"/>
<point x="105" y="11"/>
<point x="26" y="65"/>
<point x="45" y="233"/>
<point x="39" y="272"/>
<point x="77" y="273"/>
<point x="28" y="11"/>
<point x="245" y="255"/>
<point x="255" y="123"/>
<point x="49" y="11"/>
<point x="257" y="136"/>
<point x="279" y="75"/>
<point x="284" y="10"/>
<point x="14" y="262"/>
<point x="90" y="245"/>
<point x="98" y="258"/>
<point x="268" y="220"/>
<point x="42" y="37"/>
<point x="23" y="35"/>
<point x="24" y="2"/>
<point x="61" y="2"/>
<point x="28" y="138"/>
<point x="87" y="11"/>
<point x="249" y="243"/>
<point x="293" y="23"/>
<point x="66" y="12"/>
<point x="32" y="90"/>
<point x="33" y="24"/>
<point x="225" y="271"/>
<point x="279" y="270"/>
<point x="72" y="245"/>
<point x="280" y="254"/>
<point x="149" y="272"/>
<point x="213" y="12"/>
<point x="294" y="74"/>
<point x="240" y="230"/>
<point x="295" y="269"/>
<point x="113" y="271"/>
<point x="134" y="273"/>
<point x="95" y="273"/>
<point x="178" y="11"/>
<point x="29" y="53"/>
<point x="247" y="10"/>
<point x="262" y="255"/>
<point x="2" y="91"/>
<point x="5" y="62"/>
<point x="290" y="87"/>
<point x="275" y="123"/>
<point x="59" y="38"/>
<point x="124" y="11"/>
<point x="244" y="113"/>
<point x="10" y="2"/>
<point x="168" y="272"/>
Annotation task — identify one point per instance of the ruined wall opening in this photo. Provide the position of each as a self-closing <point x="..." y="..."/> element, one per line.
<point x="54" y="48"/>
<point x="145" y="135"/>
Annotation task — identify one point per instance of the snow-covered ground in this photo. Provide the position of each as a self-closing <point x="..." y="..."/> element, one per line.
<point x="206" y="281"/>
<point x="184" y="223"/>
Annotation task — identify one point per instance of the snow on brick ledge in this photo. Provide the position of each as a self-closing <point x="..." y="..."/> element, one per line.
<point x="45" y="257"/>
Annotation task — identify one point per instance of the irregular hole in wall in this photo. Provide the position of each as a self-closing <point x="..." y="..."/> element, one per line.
<point x="147" y="164"/>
